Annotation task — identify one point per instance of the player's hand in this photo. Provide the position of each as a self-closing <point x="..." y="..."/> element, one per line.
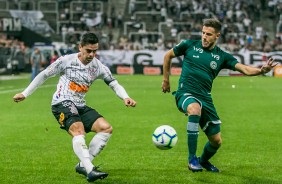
<point x="268" y="66"/>
<point x="129" y="102"/>
<point x="166" y="86"/>
<point x="18" y="97"/>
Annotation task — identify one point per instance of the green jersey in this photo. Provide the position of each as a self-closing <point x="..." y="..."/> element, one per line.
<point x="200" y="67"/>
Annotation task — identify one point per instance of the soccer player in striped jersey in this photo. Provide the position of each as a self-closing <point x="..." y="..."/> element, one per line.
<point x="77" y="73"/>
<point x="202" y="62"/>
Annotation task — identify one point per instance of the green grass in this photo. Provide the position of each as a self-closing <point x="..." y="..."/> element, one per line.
<point x="34" y="149"/>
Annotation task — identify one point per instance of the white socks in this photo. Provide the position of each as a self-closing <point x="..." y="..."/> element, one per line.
<point x="97" y="144"/>
<point x="82" y="152"/>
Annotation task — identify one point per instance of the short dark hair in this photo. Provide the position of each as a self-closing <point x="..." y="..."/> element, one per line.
<point x="89" y="38"/>
<point x="214" y="23"/>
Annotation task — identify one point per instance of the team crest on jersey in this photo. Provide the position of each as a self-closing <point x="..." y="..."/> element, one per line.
<point x="92" y="71"/>
<point x="213" y="65"/>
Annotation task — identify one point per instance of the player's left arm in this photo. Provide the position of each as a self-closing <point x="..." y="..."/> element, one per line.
<point x="121" y="93"/>
<point x="252" y="71"/>
<point x="117" y="88"/>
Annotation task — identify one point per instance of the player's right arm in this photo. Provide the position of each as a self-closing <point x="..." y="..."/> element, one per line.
<point x="38" y="80"/>
<point x="166" y="70"/>
<point x="50" y="71"/>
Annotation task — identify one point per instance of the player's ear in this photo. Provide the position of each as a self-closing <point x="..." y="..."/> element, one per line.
<point x="218" y="35"/>
<point x="79" y="47"/>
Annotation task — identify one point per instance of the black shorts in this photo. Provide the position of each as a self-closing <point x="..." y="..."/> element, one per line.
<point x="67" y="113"/>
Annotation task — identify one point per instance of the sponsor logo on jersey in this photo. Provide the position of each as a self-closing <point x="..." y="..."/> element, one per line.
<point x="198" y="49"/>
<point x="213" y="65"/>
<point x="217" y="57"/>
<point x="78" y="88"/>
<point x="92" y="71"/>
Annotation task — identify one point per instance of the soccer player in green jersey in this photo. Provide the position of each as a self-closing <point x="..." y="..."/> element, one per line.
<point x="202" y="62"/>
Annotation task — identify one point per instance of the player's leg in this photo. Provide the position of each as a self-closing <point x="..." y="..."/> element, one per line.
<point x="211" y="126"/>
<point x="210" y="150"/>
<point x="213" y="144"/>
<point x="103" y="133"/>
<point x="94" y="122"/>
<point x="68" y="116"/>
<point x="81" y="150"/>
<point x="192" y="107"/>
<point x="79" y="145"/>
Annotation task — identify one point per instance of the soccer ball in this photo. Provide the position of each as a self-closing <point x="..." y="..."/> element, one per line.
<point x="164" y="137"/>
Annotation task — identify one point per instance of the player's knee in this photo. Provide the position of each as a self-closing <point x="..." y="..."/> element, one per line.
<point x="108" y="129"/>
<point x="101" y="125"/>
<point x="105" y="127"/>
<point x="216" y="142"/>
<point x="76" y="129"/>
<point x="194" y="109"/>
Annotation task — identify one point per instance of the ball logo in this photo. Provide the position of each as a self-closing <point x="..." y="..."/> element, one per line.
<point x="213" y="65"/>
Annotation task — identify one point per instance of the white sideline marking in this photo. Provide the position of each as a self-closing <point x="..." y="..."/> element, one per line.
<point x="21" y="89"/>
<point x="12" y="77"/>
<point x="7" y="87"/>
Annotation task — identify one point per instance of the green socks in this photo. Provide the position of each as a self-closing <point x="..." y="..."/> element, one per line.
<point x="208" y="152"/>
<point x="192" y="134"/>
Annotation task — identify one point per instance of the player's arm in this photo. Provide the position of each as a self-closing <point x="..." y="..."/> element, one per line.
<point x="38" y="80"/>
<point x="121" y="93"/>
<point x="252" y="71"/>
<point x="118" y="89"/>
<point x="50" y="71"/>
<point x="166" y="70"/>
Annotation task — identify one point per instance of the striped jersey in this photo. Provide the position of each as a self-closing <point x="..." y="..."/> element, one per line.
<point x="75" y="78"/>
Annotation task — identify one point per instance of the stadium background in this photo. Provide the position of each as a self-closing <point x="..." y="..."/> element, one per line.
<point x="134" y="34"/>
<point x="35" y="150"/>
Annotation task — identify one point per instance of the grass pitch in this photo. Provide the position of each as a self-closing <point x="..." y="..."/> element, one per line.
<point x="34" y="149"/>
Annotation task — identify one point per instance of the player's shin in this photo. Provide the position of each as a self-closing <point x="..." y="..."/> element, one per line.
<point x="192" y="135"/>
<point x="208" y="152"/>
<point x="97" y="143"/>
<point x="82" y="152"/>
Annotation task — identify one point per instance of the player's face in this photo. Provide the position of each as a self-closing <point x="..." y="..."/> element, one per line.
<point x="87" y="52"/>
<point x="209" y="37"/>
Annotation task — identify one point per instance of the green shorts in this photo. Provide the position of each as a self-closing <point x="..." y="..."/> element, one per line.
<point x="67" y="113"/>
<point x="209" y="121"/>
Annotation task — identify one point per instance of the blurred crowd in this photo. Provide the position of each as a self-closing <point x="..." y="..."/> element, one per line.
<point x="246" y="24"/>
<point x="241" y="26"/>
<point x="14" y="53"/>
